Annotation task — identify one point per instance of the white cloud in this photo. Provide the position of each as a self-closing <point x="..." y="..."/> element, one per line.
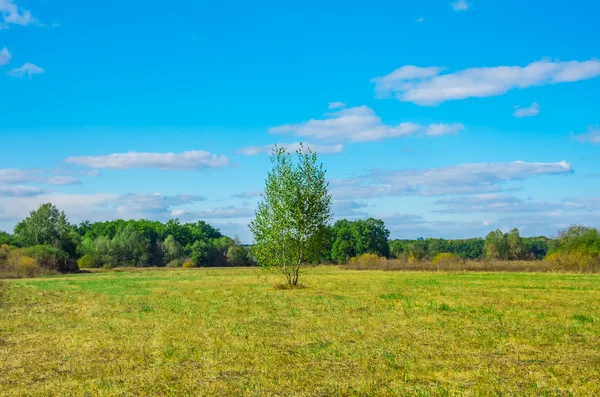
<point x="421" y="19"/>
<point x="79" y="207"/>
<point x="586" y="204"/>
<point x="5" y="56"/>
<point x="20" y="191"/>
<point x="155" y="206"/>
<point x="13" y="175"/>
<point x="348" y="209"/>
<point x="360" y="124"/>
<point x="18" y="176"/>
<point x="460" y="5"/>
<point x="476" y="178"/>
<point x="501" y="203"/>
<point x="28" y="69"/>
<point x="336" y="105"/>
<point x="195" y="159"/>
<point x="592" y="135"/>
<point x="100" y="207"/>
<point x="291" y="147"/>
<point x="11" y="14"/>
<point x="444" y="129"/>
<point x="532" y="110"/>
<point x="427" y="86"/>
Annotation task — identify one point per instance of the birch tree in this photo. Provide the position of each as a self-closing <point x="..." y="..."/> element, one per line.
<point x="290" y="225"/>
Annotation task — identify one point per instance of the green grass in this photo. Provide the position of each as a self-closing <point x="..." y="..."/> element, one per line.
<point x="229" y="332"/>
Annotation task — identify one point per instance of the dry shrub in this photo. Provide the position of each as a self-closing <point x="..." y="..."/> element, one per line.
<point x="15" y="265"/>
<point x="367" y="261"/>
<point x="574" y="261"/>
<point x="188" y="265"/>
<point x="176" y="263"/>
<point x="28" y="267"/>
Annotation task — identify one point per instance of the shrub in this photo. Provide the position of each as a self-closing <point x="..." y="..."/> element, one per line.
<point x="189" y="265"/>
<point x="88" y="262"/>
<point x="15" y="265"/>
<point x="367" y="261"/>
<point x="445" y="258"/>
<point x="573" y="261"/>
<point x="577" y="238"/>
<point x="175" y="263"/>
<point x="3" y="252"/>
<point x="50" y="258"/>
<point x="28" y="267"/>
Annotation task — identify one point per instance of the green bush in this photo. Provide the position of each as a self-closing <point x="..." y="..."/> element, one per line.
<point x="188" y="265"/>
<point x="577" y="238"/>
<point x="88" y="262"/>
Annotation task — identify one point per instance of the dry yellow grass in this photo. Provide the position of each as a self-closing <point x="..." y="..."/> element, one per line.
<point x="457" y="265"/>
<point x="228" y="332"/>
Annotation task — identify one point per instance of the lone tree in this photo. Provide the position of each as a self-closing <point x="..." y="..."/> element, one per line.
<point x="290" y="227"/>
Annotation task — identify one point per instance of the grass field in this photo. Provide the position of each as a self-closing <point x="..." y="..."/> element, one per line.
<point x="229" y="332"/>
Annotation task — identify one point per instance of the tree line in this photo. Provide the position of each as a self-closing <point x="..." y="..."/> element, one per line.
<point x="48" y="237"/>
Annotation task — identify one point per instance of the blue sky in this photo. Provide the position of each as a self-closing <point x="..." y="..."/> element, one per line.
<point x="444" y="118"/>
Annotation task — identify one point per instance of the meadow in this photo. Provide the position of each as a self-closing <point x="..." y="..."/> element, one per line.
<point x="228" y="331"/>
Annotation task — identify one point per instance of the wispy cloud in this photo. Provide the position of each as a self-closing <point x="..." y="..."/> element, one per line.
<point x="20" y="176"/>
<point x="13" y="181"/>
<point x="28" y="69"/>
<point x="247" y="195"/>
<point x="529" y="111"/>
<point x="592" y="135"/>
<point x="213" y="213"/>
<point x="360" y="124"/>
<point x="5" y="56"/>
<point x="11" y="14"/>
<point x="348" y="209"/>
<point x="155" y="206"/>
<point x="476" y="178"/>
<point x="500" y="203"/>
<point x="20" y="191"/>
<point x="460" y="5"/>
<point x="63" y="180"/>
<point x="291" y="147"/>
<point x="428" y="86"/>
<point x="336" y="105"/>
<point x="195" y="159"/>
<point x="421" y="19"/>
